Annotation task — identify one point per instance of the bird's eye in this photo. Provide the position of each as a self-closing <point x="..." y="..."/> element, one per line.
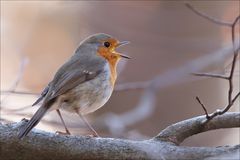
<point x="107" y="44"/>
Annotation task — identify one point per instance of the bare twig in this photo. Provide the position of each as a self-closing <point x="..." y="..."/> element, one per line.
<point x="23" y="64"/>
<point x="18" y="78"/>
<point x="204" y="15"/>
<point x="19" y="92"/>
<point x="221" y="112"/>
<point x="228" y="78"/>
<point x="11" y="111"/>
<point x="233" y="61"/>
<point x="119" y="87"/>
<point x="233" y="25"/>
<point x="132" y="85"/>
<point x="211" y="75"/>
<point x="204" y="108"/>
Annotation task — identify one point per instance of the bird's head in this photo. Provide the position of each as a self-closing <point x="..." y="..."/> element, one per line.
<point x="106" y="46"/>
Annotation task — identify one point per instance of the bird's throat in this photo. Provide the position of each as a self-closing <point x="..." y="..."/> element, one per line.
<point x="112" y="60"/>
<point x="113" y="69"/>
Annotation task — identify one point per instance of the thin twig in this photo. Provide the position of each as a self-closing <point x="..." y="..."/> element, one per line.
<point x="132" y="85"/>
<point x="229" y="105"/>
<point x="119" y="87"/>
<point x="221" y="112"/>
<point x="230" y="77"/>
<point x="18" y="78"/>
<point x="233" y="30"/>
<point x="233" y="61"/>
<point x="19" y="92"/>
<point x="8" y="110"/>
<point x="204" y="15"/>
<point x="20" y="74"/>
<point x="204" y="108"/>
<point x="213" y="75"/>
<point x="237" y="95"/>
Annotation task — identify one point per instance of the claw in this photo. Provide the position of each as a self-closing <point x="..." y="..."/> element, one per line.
<point x="92" y="136"/>
<point x="62" y="133"/>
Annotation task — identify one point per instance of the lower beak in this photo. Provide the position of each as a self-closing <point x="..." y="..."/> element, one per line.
<point x="121" y="44"/>
<point x="124" y="56"/>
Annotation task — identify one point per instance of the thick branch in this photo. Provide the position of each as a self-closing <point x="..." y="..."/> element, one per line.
<point x="178" y="132"/>
<point x="43" y="145"/>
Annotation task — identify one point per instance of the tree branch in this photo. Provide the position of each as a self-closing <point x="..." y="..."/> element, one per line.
<point x="228" y="78"/>
<point x="43" y="145"/>
<point x="204" y="15"/>
<point x="178" y="132"/>
<point x="19" y="76"/>
<point x="221" y="112"/>
<point x="203" y="106"/>
<point x="19" y="92"/>
<point x="212" y="75"/>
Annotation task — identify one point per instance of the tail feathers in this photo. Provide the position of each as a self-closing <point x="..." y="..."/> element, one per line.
<point x="38" y="100"/>
<point x="43" y="94"/>
<point x="33" y="122"/>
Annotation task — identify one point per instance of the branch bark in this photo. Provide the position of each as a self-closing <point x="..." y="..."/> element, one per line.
<point x="178" y="132"/>
<point x="44" y="145"/>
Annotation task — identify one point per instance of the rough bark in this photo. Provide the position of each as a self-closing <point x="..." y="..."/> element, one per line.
<point x="178" y="132"/>
<point x="44" y="145"/>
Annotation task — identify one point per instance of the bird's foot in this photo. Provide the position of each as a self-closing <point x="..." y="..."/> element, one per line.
<point x="63" y="133"/>
<point x="25" y="120"/>
<point x="92" y="136"/>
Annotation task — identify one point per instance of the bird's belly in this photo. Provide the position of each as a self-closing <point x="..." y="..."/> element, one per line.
<point x="89" y="96"/>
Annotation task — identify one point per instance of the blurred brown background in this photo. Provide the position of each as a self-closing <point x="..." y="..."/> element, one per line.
<point x="164" y="36"/>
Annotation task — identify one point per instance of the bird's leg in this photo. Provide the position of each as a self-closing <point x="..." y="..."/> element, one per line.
<point x="67" y="131"/>
<point x="95" y="134"/>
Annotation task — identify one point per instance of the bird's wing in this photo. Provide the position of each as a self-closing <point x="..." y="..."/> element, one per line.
<point x="72" y="74"/>
<point x="70" y="80"/>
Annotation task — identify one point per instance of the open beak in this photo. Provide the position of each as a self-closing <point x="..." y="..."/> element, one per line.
<point x="121" y="44"/>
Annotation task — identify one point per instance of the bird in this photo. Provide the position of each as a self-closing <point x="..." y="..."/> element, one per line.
<point x="83" y="84"/>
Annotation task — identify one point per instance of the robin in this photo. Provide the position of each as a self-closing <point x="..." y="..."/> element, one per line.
<point x="83" y="84"/>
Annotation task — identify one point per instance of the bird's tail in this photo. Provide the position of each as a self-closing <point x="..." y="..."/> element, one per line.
<point x="34" y="120"/>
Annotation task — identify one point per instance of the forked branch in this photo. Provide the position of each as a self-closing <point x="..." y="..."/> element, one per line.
<point x="233" y="66"/>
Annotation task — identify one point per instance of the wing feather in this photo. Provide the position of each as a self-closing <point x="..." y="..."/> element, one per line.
<point x="73" y="73"/>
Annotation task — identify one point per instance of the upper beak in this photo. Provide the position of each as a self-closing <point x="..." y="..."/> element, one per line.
<point x="121" y="44"/>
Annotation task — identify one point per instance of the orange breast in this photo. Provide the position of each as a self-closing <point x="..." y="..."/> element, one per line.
<point x="112" y="60"/>
<point x="113" y="69"/>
